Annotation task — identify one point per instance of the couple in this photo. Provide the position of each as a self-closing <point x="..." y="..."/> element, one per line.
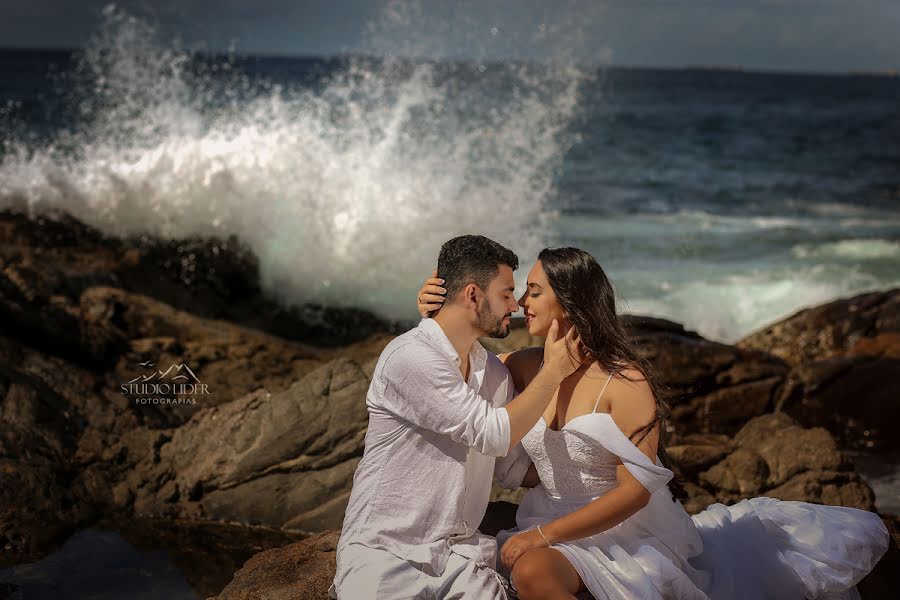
<point x="579" y="422"/>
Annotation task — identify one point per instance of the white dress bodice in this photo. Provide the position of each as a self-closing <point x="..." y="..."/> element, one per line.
<point x="570" y="463"/>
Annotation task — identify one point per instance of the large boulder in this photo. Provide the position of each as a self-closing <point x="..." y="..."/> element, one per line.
<point x="855" y="397"/>
<point x="711" y="387"/>
<point x="281" y="460"/>
<point x="865" y="325"/>
<point x="845" y="358"/>
<point x="770" y="456"/>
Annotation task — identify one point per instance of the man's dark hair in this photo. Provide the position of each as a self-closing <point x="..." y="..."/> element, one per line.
<point x="472" y="259"/>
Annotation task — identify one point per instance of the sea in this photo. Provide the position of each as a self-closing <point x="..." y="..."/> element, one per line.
<point x="722" y="199"/>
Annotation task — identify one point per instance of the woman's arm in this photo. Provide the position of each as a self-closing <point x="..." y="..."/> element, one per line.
<point x="632" y="407"/>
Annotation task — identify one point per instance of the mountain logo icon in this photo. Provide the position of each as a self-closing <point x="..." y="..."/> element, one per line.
<point x="177" y="372"/>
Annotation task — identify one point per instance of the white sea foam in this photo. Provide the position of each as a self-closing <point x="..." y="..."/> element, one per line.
<point x="730" y="307"/>
<point x="346" y="190"/>
<point x="865" y="249"/>
<point x="344" y="193"/>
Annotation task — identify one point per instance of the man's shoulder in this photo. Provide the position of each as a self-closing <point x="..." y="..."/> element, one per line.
<point x="495" y="366"/>
<point x="497" y="372"/>
<point x="406" y="350"/>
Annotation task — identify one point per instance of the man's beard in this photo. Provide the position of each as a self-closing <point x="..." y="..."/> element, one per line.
<point x="491" y="325"/>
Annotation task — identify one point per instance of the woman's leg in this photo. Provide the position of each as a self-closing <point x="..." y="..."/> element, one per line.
<point x="545" y="573"/>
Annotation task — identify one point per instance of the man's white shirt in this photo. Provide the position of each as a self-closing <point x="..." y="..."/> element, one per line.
<point x="423" y="484"/>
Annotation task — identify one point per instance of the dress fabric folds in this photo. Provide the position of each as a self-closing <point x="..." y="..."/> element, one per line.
<point x="761" y="548"/>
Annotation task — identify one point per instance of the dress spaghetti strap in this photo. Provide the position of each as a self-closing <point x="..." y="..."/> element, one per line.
<point x="597" y="403"/>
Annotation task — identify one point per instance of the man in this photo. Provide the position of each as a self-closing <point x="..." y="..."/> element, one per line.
<point x="440" y="411"/>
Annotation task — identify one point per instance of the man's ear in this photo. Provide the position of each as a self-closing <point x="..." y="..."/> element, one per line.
<point x="470" y="295"/>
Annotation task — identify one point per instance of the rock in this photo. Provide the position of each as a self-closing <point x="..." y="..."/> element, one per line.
<point x="301" y="570"/>
<point x="789" y="449"/>
<point x="743" y="472"/>
<point x="775" y="457"/>
<point x="49" y="261"/>
<point x="854" y="397"/>
<point x="711" y="387"/>
<point x="230" y="360"/>
<point x="298" y="449"/>
<point x="38" y="506"/>
<point x="868" y="324"/>
<point x="826" y="487"/>
<point x="698" y="499"/>
<point x="694" y="458"/>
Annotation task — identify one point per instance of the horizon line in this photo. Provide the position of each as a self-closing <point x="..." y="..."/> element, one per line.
<point x="708" y="67"/>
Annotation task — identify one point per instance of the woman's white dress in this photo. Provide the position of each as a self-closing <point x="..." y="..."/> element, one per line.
<point x="757" y="548"/>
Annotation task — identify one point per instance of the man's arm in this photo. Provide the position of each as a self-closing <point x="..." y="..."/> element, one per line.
<point x="422" y="387"/>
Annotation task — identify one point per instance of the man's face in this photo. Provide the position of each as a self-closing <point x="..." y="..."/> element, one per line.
<point x="497" y="304"/>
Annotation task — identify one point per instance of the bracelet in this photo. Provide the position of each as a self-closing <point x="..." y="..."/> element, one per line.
<point x="541" y="531"/>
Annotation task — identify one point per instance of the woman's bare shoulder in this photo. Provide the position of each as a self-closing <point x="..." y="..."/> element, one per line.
<point x="632" y="402"/>
<point x="523" y="355"/>
<point x="523" y="364"/>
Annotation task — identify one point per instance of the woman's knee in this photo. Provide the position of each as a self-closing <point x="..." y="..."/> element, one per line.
<point x="531" y="575"/>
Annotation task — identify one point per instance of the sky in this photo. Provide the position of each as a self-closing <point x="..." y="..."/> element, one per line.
<point x="791" y="35"/>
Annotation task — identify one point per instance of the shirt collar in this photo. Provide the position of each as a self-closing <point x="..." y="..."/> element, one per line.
<point x="434" y="331"/>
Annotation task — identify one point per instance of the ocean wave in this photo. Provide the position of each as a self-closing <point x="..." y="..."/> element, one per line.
<point x="727" y="308"/>
<point x="344" y="191"/>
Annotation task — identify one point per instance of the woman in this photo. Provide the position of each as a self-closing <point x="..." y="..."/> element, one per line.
<point x="602" y="517"/>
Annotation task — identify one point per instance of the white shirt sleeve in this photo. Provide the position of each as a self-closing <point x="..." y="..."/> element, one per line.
<point x="510" y="470"/>
<point x="422" y="387"/>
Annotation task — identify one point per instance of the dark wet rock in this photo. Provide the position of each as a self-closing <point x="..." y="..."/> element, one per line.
<point x="711" y="387"/>
<point x="865" y="325"/>
<point x="856" y="398"/>
<point x="38" y="505"/>
<point x="49" y="261"/>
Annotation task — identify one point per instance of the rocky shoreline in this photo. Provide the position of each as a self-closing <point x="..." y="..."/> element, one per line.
<point x="272" y="444"/>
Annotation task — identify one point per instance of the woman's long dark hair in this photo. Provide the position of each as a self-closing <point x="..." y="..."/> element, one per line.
<point x="589" y="300"/>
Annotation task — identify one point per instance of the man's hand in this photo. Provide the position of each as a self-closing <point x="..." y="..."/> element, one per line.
<point x="562" y="357"/>
<point x="431" y="295"/>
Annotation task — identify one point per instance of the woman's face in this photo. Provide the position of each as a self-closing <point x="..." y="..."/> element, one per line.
<point x="540" y="304"/>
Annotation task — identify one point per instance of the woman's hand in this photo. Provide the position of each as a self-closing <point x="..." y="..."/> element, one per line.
<point x="519" y="544"/>
<point x="431" y="296"/>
